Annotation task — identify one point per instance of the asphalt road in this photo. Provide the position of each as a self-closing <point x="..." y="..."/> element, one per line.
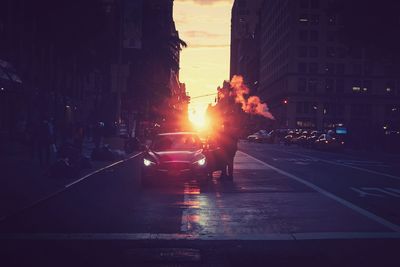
<point x="286" y="205"/>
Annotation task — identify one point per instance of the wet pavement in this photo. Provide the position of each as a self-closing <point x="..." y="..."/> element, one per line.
<point x="278" y="194"/>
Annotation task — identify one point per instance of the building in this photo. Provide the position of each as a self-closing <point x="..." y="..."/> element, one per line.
<point x="90" y="61"/>
<point x="55" y="55"/>
<point x="153" y="83"/>
<point x="245" y="43"/>
<point x="311" y="80"/>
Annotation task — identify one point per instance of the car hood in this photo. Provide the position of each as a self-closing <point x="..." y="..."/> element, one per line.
<point x="181" y="156"/>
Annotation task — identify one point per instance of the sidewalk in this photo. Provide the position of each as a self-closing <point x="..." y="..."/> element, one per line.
<point x="23" y="180"/>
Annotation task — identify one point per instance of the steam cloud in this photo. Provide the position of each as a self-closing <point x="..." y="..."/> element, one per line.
<point x="253" y="104"/>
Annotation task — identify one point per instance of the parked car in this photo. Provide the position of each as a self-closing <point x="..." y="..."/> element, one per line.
<point x="328" y="142"/>
<point x="301" y="139"/>
<point x="259" y="137"/>
<point x="312" y="138"/>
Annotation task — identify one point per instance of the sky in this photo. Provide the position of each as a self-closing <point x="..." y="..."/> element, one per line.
<point x="205" y="26"/>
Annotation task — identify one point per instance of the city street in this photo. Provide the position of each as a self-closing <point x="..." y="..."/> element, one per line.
<point x="284" y="201"/>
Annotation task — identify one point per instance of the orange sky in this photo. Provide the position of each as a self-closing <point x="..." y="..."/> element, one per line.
<point x="205" y="26"/>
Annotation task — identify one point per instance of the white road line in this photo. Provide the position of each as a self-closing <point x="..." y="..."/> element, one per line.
<point x="179" y="236"/>
<point x="101" y="169"/>
<point x="342" y="201"/>
<point x="342" y="164"/>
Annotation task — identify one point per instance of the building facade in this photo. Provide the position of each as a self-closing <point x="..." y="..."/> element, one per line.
<point x="312" y="80"/>
<point x="245" y="45"/>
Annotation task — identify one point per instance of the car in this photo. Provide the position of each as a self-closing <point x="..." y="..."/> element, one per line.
<point x="328" y="142"/>
<point x="312" y="138"/>
<point x="174" y="155"/>
<point x="301" y="139"/>
<point x="259" y="137"/>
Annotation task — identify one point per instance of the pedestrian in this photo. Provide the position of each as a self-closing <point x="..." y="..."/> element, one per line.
<point x="228" y="144"/>
<point x="78" y="136"/>
<point x="44" y="141"/>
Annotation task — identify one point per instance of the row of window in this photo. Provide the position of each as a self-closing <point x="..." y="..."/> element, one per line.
<point x="313" y="52"/>
<point x="340" y="68"/>
<point x="309" y="3"/>
<point x="313" y="68"/>
<point x="338" y="86"/>
<point x="338" y="110"/>
<point x="313" y="36"/>
<point x="314" y="19"/>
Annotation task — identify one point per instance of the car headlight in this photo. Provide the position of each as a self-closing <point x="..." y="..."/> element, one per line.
<point x="201" y="162"/>
<point x="147" y="162"/>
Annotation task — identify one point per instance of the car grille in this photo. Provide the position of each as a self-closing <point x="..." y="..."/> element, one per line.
<point x="175" y="166"/>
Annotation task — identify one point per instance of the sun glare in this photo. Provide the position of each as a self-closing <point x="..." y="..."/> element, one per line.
<point x="197" y="116"/>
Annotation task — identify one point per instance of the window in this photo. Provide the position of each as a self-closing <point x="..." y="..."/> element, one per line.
<point x="332" y="20"/>
<point x="390" y="87"/>
<point x="340" y="68"/>
<point x="314" y="3"/>
<point x="303" y="36"/>
<point x="330" y="52"/>
<point x="313" y="67"/>
<point x="368" y="68"/>
<point x="302" y="85"/>
<point x="389" y="70"/>
<point x="360" y="110"/>
<point x="302" y="67"/>
<point x="314" y="19"/>
<point x="305" y="123"/>
<point x="329" y="85"/>
<point x="357" y="69"/>
<point x="304" y="107"/>
<point x="302" y="51"/>
<point x="392" y="111"/>
<point x="303" y="18"/>
<point x="367" y="86"/>
<point x="330" y="68"/>
<point x="356" y="86"/>
<point x="328" y="107"/>
<point x="341" y="52"/>
<point x="331" y="36"/>
<point x="314" y="36"/>
<point x="304" y="3"/>
<point x="356" y="53"/>
<point x="339" y="86"/>
<point x="313" y="51"/>
<point x="312" y="85"/>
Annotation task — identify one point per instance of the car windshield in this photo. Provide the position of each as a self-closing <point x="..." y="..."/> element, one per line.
<point x="182" y="142"/>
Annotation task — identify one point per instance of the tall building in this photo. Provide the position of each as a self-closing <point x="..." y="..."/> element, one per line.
<point x="312" y="80"/>
<point x="245" y="43"/>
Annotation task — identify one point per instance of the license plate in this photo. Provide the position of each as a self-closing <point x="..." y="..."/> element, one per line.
<point x="173" y="172"/>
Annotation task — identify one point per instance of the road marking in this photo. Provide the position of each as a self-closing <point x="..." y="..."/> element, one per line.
<point x="31" y="205"/>
<point x="180" y="236"/>
<point x="340" y="200"/>
<point x="101" y="169"/>
<point x="243" y="162"/>
<point x="384" y="191"/>
<point x="365" y="194"/>
<point x="342" y="164"/>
